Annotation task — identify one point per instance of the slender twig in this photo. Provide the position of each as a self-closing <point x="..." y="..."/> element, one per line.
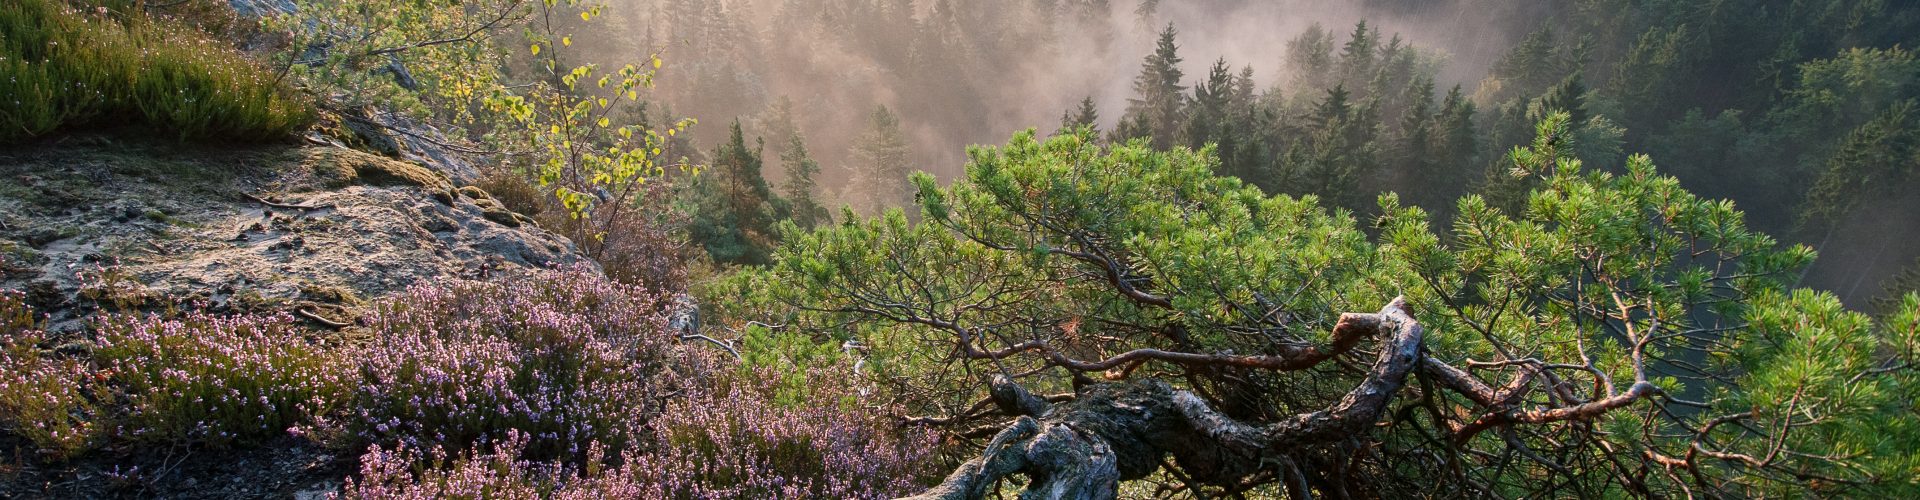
<point x="285" y="206"/>
<point x="303" y="312"/>
<point x="723" y="345"/>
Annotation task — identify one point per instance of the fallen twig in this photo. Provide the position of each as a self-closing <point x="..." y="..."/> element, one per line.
<point x="723" y="345"/>
<point x="286" y="206"/>
<point x="303" y="312"/>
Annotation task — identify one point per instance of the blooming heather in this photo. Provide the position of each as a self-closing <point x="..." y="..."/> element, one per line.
<point x="217" y="380"/>
<point x="731" y="442"/>
<point x="41" y="396"/>
<point x="567" y="358"/>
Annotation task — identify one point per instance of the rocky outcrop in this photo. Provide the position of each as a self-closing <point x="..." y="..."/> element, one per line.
<point x="312" y="230"/>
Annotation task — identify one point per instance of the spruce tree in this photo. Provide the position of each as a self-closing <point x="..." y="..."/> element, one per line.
<point x="808" y="212"/>
<point x="1155" y="112"/>
<point x="1310" y="59"/>
<point x="1414" y="150"/>
<point x="1207" y="113"/>
<point x="880" y="161"/>
<point x="1083" y="116"/>
<point x="1357" y="56"/>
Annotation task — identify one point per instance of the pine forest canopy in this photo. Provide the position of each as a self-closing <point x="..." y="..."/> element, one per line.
<point x="1617" y="335"/>
<point x="1773" y="105"/>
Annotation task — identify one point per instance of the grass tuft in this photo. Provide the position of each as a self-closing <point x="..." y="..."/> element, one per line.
<point x="66" y="67"/>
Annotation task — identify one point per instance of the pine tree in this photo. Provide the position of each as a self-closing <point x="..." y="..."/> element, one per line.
<point x="1357" y="56"/>
<point x="1310" y="59"/>
<point x="1414" y="149"/>
<point x="1155" y="112"/>
<point x="1083" y="116"/>
<point x="880" y="160"/>
<point x="735" y="209"/>
<point x="808" y="212"/>
<point x="1207" y="111"/>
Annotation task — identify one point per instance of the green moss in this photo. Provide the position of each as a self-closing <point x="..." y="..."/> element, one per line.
<point x="475" y="193"/>
<point x="331" y="295"/>
<point x="18" y="253"/>
<point x="503" y="216"/>
<point x="345" y="167"/>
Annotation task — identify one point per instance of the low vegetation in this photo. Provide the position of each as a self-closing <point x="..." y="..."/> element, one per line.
<point x="569" y="361"/>
<point x="561" y="383"/>
<point x="71" y="65"/>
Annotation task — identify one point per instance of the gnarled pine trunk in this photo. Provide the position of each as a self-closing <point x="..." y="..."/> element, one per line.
<point x="1114" y="432"/>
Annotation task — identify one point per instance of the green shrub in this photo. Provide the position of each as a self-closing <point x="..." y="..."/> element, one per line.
<point x="69" y="67"/>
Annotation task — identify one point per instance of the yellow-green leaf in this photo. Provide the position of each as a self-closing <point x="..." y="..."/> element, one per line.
<point x="536" y="49"/>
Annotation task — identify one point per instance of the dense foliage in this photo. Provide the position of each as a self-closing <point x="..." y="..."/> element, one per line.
<point x="1616" y="335"/>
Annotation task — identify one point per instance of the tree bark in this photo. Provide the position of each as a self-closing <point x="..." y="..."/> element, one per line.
<point x="1120" y="431"/>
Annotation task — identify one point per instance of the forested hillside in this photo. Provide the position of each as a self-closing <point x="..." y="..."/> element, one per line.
<point x="959" y="249"/>
<point x="1771" y="104"/>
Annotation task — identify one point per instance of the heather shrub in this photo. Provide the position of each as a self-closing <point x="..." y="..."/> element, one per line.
<point x="729" y="441"/>
<point x="65" y="67"/>
<point x="42" y="396"/>
<point x="499" y="473"/>
<point x="567" y="358"/>
<point x="196" y="379"/>
<point x="213" y="380"/>
<point x="733" y="440"/>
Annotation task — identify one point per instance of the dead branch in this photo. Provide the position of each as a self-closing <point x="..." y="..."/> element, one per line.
<point x="723" y="345"/>
<point x="286" y="206"/>
<point x="305" y="313"/>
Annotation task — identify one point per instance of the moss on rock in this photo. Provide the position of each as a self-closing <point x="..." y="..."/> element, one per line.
<point x="345" y="167"/>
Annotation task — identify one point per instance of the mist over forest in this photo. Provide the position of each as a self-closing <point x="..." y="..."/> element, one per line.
<point x="959" y="249"/>
<point x="1704" y="90"/>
